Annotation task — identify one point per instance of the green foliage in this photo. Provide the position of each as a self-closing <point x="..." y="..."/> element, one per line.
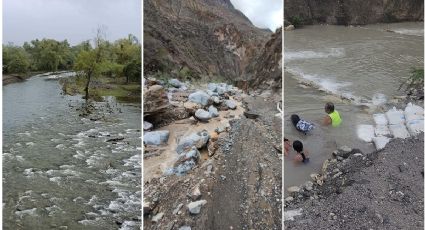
<point x="415" y="80"/>
<point x="49" y="55"/>
<point x="15" y="59"/>
<point x="297" y="21"/>
<point x="185" y="73"/>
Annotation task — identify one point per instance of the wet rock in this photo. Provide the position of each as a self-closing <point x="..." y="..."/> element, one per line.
<point x="195" y="207"/>
<point x="202" y="115"/>
<point x="199" y="97"/>
<point x="157" y="217"/>
<point x="147" y="126"/>
<point x="230" y="104"/>
<point x="198" y="139"/>
<point x="213" y="111"/>
<point x="175" y="83"/>
<point x="156" y="137"/>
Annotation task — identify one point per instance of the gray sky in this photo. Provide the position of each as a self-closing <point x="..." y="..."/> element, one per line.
<point x="263" y="14"/>
<point x="75" y="20"/>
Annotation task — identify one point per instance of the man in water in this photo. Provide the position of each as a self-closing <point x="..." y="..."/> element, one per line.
<point x="333" y="116"/>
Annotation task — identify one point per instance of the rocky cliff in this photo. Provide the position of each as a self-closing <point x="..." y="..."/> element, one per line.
<point x="353" y="12"/>
<point x="194" y="38"/>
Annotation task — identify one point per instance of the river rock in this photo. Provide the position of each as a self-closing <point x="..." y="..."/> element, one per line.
<point x="230" y="104"/>
<point x="289" y="28"/>
<point x="198" y="139"/>
<point x="193" y="153"/>
<point x="185" y="228"/>
<point x="196" y="193"/>
<point x="156" y="137"/>
<point x="293" y="189"/>
<point x="155" y="100"/>
<point x="157" y="217"/>
<point x="202" y="115"/>
<point x="195" y="207"/>
<point x="175" y="83"/>
<point x="213" y="111"/>
<point x="147" y="126"/>
<point x="216" y="100"/>
<point x="199" y="97"/>
<point x="212" y="87"/>
<point x="308" y="185"/>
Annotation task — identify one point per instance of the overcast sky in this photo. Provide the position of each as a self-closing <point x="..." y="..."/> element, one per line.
<point x="263" y="14"/>
<point x="75" y="20"/>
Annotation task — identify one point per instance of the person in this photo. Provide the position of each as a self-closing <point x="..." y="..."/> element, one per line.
<point x="333" y="118"/>
<point x="287" y="145"/>
<point x="301" y="154"/>
<point x="300" y="124"/>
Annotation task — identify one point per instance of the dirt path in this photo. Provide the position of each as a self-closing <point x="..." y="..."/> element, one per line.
<point x="379" y="190"/>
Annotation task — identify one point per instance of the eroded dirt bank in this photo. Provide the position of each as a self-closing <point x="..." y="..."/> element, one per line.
<point x="378" y="190"/>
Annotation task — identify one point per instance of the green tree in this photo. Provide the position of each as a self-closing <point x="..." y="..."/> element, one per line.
<point x="15" y="59"/>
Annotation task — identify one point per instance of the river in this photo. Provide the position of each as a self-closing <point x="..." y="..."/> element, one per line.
<point x="62" y="171"/>
<point x="362" y="64"/>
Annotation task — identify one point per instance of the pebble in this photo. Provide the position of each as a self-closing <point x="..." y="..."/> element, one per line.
<point x="157" y="217"/>
<point x="195" y="207"/>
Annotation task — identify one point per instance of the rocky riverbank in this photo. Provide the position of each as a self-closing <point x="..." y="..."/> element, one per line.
<point x="216" y="151"/>
<point x="379" y="190"/>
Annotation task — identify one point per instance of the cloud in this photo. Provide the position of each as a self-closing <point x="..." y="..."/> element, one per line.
<point x="75" y="20"/>
<point x="263" y="14"/>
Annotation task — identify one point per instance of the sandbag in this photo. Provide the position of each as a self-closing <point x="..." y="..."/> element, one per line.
<point x="365" y="132"/>
<point x="413" y="109"/>
<point x="380" y="142"/>
<point x="382" y="130"/>
<point x="380" y="119"/>
<point x="395" y="116"/>
<point x="399" y="131"/>
<point x="413" y="117"/>
<point x="415" y="127"/>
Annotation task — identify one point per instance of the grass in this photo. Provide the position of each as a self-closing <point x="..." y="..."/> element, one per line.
<point x="415" y="80"/>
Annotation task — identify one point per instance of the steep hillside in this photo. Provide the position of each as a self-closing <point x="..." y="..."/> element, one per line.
<point x="188" y="39"/>
<point x="356" y="12"/>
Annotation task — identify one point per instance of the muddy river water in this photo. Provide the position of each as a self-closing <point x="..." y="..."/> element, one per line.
<point x="364" y="64"/>
<point x="62" y="171"/>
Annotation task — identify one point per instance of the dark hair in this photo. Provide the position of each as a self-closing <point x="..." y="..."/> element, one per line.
<point x="285" y="139"/>
<point x="329" y="107"/>
<point x="298" y="146"/>
<point x="295" y="118"/>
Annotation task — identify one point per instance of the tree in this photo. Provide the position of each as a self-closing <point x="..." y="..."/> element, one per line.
<point x="91" y="62"/>
<point x="15" y="59"/>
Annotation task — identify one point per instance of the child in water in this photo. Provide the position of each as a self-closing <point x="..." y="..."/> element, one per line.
<point x="287" y="145"/>
<point x="333" y="116"/>
<point x="300" y="124"/>
<point x="301" y="154"/>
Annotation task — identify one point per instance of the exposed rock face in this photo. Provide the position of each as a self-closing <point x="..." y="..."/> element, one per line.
<point x="340" y="12"/>
<point x="266" y="71"/>
<point x="190" y="38"/>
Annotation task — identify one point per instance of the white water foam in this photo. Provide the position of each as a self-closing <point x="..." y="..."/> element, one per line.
<point x="308" y="54"/>
<point x="415" y="32"/>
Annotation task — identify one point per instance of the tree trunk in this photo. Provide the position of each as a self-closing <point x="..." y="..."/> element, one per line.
<point x="87" y="85"/>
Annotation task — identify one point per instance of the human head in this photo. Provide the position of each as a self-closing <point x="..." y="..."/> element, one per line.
<point x="329" y="107"/>
<point x="295" y="118"/>
<point x="285" y="139"/>
<point x="298" y="146"/>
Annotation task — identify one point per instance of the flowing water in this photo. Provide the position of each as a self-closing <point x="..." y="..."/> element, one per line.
<point x="62" y="171"/>
<point x="363" y="65"/>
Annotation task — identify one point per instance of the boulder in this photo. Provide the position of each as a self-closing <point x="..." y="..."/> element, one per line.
<point x="230" y="104"/>
<point x="216" y="100"/>
<point x="195" y="207"/>
<point x="213" y="111"/>
<point x="199" y="140"/>
<point x="155" y="100"/>
<point x="293" y="189"/>
<point x="202" y="115"/>
<point x="156" y="137"/>
<point x="212" y="87"/>
<point x="199" y="97"/>
<point x="175" y="83"/>
<point x="147" y="126"/>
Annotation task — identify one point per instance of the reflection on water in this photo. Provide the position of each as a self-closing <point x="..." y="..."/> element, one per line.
<point x="60" y="169"/>
<point x="365" y="64"/>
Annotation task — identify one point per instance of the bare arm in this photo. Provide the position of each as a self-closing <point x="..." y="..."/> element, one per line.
<point x="327" y="120"/>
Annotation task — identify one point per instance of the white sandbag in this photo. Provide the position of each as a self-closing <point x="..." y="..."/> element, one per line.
<point x="413" y="109"/>
<point x="399" y="131"/>
<point x="380" y="142"/>
<point x="413" y="117"/>
<point x="382" y="130"/>
<point x="380" y="119"/>
<point x="365" y="132"/>
<point x="415" y="127"/>
<point x="395" y="116"/>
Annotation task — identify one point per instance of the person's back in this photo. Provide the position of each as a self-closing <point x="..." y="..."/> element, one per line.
<point x="333" y="118"/>
<point x="300" y="124"/>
